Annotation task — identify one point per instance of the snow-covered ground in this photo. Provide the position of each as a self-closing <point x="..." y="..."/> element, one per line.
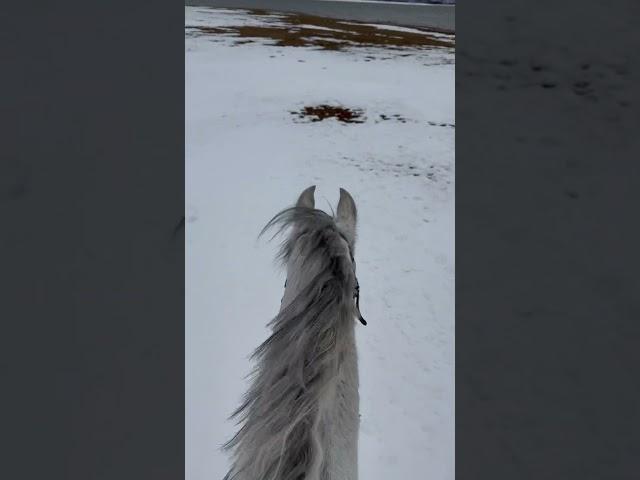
<point x="247" y="157"/>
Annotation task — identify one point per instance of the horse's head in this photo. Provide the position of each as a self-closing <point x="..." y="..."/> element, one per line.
<point x="319" y="248"/>
<point x="345" y="217"/>
<point x="310" y="353"/>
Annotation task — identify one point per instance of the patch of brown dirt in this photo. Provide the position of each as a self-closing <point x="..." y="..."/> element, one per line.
<point x="298" y="30"/>
<point x="208" y="30"/>
<point x="395" y="117"/>
<point x="318" y="113"/>
<point x="435" y="124"/>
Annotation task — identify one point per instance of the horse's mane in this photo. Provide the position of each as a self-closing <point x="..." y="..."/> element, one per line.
<point x="296" y="365"/>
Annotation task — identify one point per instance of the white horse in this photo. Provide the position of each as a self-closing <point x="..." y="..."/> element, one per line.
<point x="300" y="417"/>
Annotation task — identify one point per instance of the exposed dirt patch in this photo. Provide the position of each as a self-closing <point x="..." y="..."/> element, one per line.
<point x="436" y="124"/>
<point x="394" y="118"/>
<point x="318" y="113"/>
<point x="297" y="30"/>
<point x="258" y="12"/>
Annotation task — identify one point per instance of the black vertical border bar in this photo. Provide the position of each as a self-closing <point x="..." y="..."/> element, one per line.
<point x="92" y="249"/>
<point x="547" y="289"/>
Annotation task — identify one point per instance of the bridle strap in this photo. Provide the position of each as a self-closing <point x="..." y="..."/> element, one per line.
<point x="356" y="293"/>
<point x="357" y="297"/>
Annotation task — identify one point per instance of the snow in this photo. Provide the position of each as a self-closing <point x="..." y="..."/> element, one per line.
<point x="247" y="158"/>
<point x="445" y="36"/>
<point x="210" y="17"/>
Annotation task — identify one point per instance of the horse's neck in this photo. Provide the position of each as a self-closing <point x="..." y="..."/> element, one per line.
<point x="338" y="407"/>
<point x="340" y="417"/>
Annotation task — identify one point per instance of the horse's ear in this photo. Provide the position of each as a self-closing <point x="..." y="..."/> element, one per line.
<point x="346" y="215"/>
<point x="306" y="198"/>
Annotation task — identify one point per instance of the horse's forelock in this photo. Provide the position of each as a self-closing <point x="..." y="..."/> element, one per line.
<point x="313" y="231"/>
